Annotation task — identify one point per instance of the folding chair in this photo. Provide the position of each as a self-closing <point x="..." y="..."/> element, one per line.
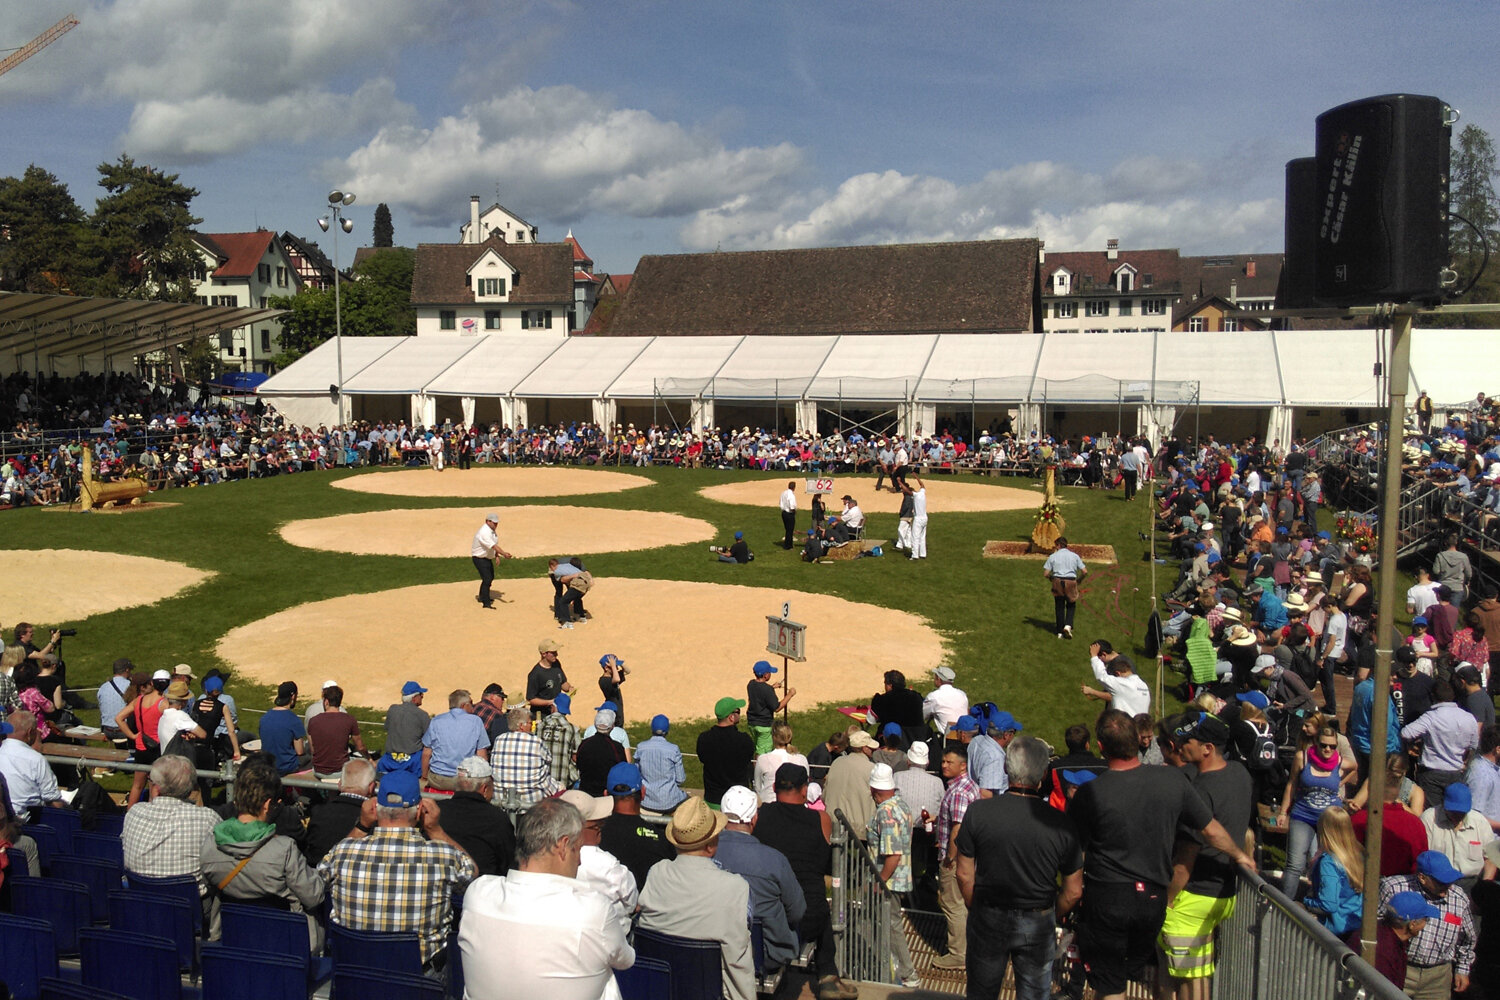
<point x="180" y="886"/>
<point x="64" y="905"/>
<point x="160" y="916"/>
<point x="136" y="966"/>
<point x="695" y="965"/>
<point x="238" y="974"/>
<point x="27" y="954"/>
<point x="99" y="847"/>
<point x="648" y="979"/>
<point x="272" y="932"/>
<point x="351" y="982"/>
<point x="101" y="877"/>
<point x="110" y="823"/>
<point x="400" y="953"/>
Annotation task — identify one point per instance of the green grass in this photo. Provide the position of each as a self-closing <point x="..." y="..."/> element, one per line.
<point x="995" y="614"/>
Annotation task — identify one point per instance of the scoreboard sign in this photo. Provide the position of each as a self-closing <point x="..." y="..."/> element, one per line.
<point x="786" y="638"/>
<point x="819" y="486"/>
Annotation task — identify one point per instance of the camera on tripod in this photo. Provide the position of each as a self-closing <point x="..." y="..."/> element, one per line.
<point x="67" y="633"/>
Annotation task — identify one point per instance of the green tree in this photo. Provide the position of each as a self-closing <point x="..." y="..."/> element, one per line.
<point x="142" y="233"/>
<point x="376" y="304"/>
<point x="44" y="230"/>
<point x="385" y="233"/>
<point x="1472" y="174"/>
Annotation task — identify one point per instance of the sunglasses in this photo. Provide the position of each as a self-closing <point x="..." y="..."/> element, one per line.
<point x="1328" y="746"/>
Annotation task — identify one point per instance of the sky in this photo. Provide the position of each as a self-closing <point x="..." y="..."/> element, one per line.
<point x="658" y="127"/>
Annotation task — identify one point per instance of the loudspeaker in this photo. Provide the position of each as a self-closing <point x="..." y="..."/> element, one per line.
<point x="1295" y="290"/>
<point x="1381" y="178"/>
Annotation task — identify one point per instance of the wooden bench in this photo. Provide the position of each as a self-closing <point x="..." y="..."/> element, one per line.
<point x="91" y="751"/>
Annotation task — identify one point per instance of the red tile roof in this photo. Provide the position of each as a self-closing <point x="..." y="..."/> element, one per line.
<point x="620" y="282"/>
<point x="579" y="257"/>
<point x="1094" y="269"/>
<point x="238" y="253"/>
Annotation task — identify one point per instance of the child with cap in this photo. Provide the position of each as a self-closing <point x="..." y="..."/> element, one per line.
<point x="763" y="704"/>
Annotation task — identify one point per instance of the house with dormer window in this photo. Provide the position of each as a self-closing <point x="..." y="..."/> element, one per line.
<point x="1113" y="291"/>
<point x="245" y="269"/>
<point x="493" y="287"/>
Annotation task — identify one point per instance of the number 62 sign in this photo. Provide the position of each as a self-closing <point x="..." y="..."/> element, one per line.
<point x="786" y="638"/>
<point x="819" y="486"/>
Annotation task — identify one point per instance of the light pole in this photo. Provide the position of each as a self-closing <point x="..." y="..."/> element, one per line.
<point x="337" y="202"/>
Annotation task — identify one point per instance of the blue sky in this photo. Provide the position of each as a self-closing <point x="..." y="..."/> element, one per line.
<point x="659" y="127"/>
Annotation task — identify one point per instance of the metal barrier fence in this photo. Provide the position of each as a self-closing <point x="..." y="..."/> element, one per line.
<point x="1273" y="949"/>
<point x="861" y="908"/>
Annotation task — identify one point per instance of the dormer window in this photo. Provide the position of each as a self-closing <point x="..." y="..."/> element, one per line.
<point x="491" y="286"/>
<point x="1061" y="282"/>
<point x="1125" y="278"/>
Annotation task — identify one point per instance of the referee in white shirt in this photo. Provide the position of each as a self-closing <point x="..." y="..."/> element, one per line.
<point x="789" y="512"/>
<point x="485" y="550"/>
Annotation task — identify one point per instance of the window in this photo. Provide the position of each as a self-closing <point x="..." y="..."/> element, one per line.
<point x="491" y="286"/>
<point x="1060" y="282"/>
<point x="200" y="272"/>
<point x="536" y="319"/>
<point x="1127" y="307"/>
<point x="1197" y="324"/>
<point x="1153" y="307"/>
<point x="1125" y="279"/>
<point x="265" y="340"/>
<point x="1231" y="326"/>
<point x="447" y="319"/>
<point x="202" y="300"/>
<point x="492" y="319"/>
<point x="1146" y="281"/>
<point x="1064" y="310"/>
<point x="281" y="277"/>
<point x="1096" y="308"/>
<point x="223" y="300"/>
<point x="262" y="301"/>
<point x="264" y="273"/>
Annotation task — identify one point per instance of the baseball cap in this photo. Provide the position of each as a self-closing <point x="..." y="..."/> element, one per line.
<point x="1079" y="777"/>
<point x="604" y="719"/>
<point x="944" y="674"/>
<point x="546" y="646"/>
<point x="739" y="804"/>
<point x="1324" y="535"/>
<point x="1435" y="865"/>
<point x="890" y="729"/>
<point x="660" y="724"/>
<point x="966" y="724"/>
<point x="491" y="517"/>
<point x="1256" y="698"/>
<point x="475" y="767"/>
<point x="738" y="535"/>
<point x="624" y="779"/>
<point x="213" y="684"/>
<point x="1458" y="798"/>
<point x="611" y="656"/>
<point x="161" y="675"/>
<point x="608" y="706"/>
<point x="1205" y="728"/>
<point x="1005" y="722"/>
<point x="1409" y="906"/>
<point x="860" y="739"/>
<point x="399" y="789"/>
<point x="762" y="667"/>
<point x="882" y="778"/>
<point x="789" y="776"/>
<point x="726" y="706"/>
<point x="564" y="703"/>
<point x="591" y="807"/>
<point x="330" y="684"/>
<point x="183" y="670"/>
<point x="410" y="688"/>
<point x="1419" y="620"/>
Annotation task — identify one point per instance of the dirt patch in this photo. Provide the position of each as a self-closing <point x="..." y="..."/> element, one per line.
<point x="944" y="495"/>
<point x="687" y="644"/>
<point x="126" y="509"/>
<point x="1022" y="550"/>
<point x="492" y="481"/>
<point x="58" y="586"/>
<point x="524" y="531"/>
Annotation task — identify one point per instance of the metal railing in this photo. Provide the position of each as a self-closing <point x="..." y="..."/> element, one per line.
<point x="1273" y="949"/>
<point x="861" y="908"/>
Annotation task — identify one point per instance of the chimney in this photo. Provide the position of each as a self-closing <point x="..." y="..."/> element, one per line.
<point x="1249" y="268"/>
<point x="473" y="218"/>
<point x="1234" y="291"/>
<point x="1112" y="249"/>
<point x="1041" y="251"/>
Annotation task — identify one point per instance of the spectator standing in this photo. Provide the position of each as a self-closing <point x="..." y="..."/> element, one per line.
<point x="1447" y="733"/>
<point x="450" y="739"/>
<point x="1452" y="569"/>
<point x="1483" y="776"/>
<point x="888" y="833"/>
<point x="725" y="751"/>
<point x="1441" y="956"/>
<point x="1403" y="837"/>
<point x="547" y="679"/>
<point x="775" y="897"/>
<point x="788" y="506"/>
<point x="112" y="697"/>
<point x="662" y="771"/>
<point x="474" y="822"/>
<point x="847" y="789"/>
<point x="987" y="753"/>
<point x="1119" y="684"/>
<point x="960" y="794"/>
<point x="1469" y="687"/>
<point x="922" y="791"/>
<point x="1315" y="784"/>
<point x="1338" y="874"/>
<point x="1455" y="828"/>
<point x="561" y="738"/>
<point x="898" y="705"/>
<point x="763" y="705"/>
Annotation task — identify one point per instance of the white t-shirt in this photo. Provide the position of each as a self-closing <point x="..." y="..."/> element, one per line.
<point x="484" y="540"/>
<point x="173" y="721"/>
<point x="1420" y="597"/>
<point x="788" y="501"/>
<point x="919" y="503"/>
<point x="1131" y="694"/>
<point x="854" y="517"/>
<point x="765" y="771"/>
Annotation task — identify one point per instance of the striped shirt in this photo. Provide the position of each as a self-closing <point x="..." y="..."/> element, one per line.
<point x="1450" y="937"/>
<point x="164" y="837"/>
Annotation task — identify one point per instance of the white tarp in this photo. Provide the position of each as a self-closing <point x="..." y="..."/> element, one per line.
<point x="315" y="371"/>
<point x="770" y="368"/>
<point x="496" y="365"/>
<point x="967" y="368"/>
<point x="582" y="368"/>
<point x="406" y="370"/>
<point x="872" y="368"/>
<point x="675" y="362"/>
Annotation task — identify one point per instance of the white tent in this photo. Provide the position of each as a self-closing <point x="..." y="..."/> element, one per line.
<point x="304" y="392"/>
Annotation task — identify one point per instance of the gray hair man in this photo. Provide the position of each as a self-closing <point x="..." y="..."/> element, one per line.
<point x="164" y="836"/>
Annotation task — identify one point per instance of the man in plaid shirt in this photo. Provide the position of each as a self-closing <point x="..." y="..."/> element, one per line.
<point x="959" y="795"/>
<point x="397" y="869"/>
<point x="164" y="837"/>
<point x="1438" y="959"/>
<point x="522" y="768"/>
<point x="561" y="738"/>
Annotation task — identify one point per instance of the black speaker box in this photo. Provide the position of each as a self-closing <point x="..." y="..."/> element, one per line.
<point x="1295" y="290"/>
<point x="1381" y="179"/>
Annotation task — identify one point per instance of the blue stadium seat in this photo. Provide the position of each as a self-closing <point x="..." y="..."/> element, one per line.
<point x="27" y="954"/>
<point x="99" y="847"/>
<point x="272" y="932"/>
<point x="181" y="886"/>
<point x="65" y="821"/>
<point x="350" y="982"/>
<point x="17" y="859"/>
<point x="50" y="843"/>
<point x="101" y="877"/>
<point x="695" y="964"/>
<point x="400" y="953"/>
<point x="136" y="966"/>
<point x="648" y="979"/>
<point x="238" y="974"/>
<point x="110" y="823"/>
<point x="160" y="916"/>
<point x="65" y="989"/>
<point x="64" y="905"/>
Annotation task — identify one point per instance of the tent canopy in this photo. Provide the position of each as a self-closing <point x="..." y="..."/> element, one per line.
<point x="496" y="365"/>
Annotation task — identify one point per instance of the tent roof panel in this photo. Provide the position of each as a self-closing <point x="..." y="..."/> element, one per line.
<point x="582" y="367"/>
<point x="872" y="367"/>
<point x="315" y="371"/>
<point x="413" y="363"/>
<point x="1229" y="367"/>
<point x="1328" y="367"/>
<point x="61" y="325"/>
<point x="1446" y="363"/>
<point x="496" y="364"/>
<point x="683" y="360"/>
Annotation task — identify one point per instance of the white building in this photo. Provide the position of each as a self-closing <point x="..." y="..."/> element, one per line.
<point x="493" y="287"/>
<point x="245" y="269"/>
<point x="495" y="219"/>
<point x="1109" y="291"/>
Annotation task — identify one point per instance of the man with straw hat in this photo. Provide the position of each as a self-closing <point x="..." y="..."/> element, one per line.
<point x="692" y="897"/>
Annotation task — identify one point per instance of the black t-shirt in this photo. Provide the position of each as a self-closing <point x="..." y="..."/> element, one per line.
<point x="611" y="692"/>
<point x="902" y="706"/>
<point x="1128" y="820"/>
<point x="1230" y="793"/>
<point x="596" y="755"/>
<point x="481" y="829"/>
<point x="1481" y="705"/>
<point x="819" y="759"/>
<point x="1413" y="696"/>
<point x="760" y="709"/>
<point x="725" y="753"/>
<point x="740" y="551"/>
<point x="636" y="844"/>
<point x="1019" y="844"/>
<point x="545" y="682"/>
<point x="208" y="712"/>
<point x="47" y="684"/>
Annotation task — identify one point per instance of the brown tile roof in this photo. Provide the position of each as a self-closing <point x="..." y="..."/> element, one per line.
<point x="1212" y="275"/>
<point x="616" y="284"/>
<point x="1093" y="268"/>
<point x="546" y="271"/>
<point x="238" y="253"/>
<point x="978" y="287"/>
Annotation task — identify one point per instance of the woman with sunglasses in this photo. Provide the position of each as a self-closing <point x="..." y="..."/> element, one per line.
<point x="1316" y="782"/>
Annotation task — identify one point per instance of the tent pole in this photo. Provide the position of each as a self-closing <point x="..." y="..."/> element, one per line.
<point x="653" y="403"/>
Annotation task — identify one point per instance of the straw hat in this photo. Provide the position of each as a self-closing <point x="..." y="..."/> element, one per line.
<point x="694" y="825"/>
<point x="1241" y="636"/>
<point x="1296" y="602"/>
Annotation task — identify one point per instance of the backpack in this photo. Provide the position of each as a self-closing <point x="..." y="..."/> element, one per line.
<point x="1261" y="755"/>
<point x="1304" y="667"/>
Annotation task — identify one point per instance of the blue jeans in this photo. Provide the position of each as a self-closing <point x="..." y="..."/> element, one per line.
<point x="999" y="936"/>
<point x="1301" y="845"/>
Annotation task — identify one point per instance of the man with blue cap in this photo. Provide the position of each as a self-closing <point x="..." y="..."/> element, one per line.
<point x="1440" y="957"/>
<point x="1401" y="918"/>
<point x="1460" y="831"/>
<point x="406" y="722"/>
<point x="662" y="771"/>
<point x="739" y="552"/>
<point x="987" y="753"/>
<point x="636" y="843"/>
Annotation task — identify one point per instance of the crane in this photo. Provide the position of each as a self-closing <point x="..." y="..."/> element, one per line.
<point x="37" y="44"/>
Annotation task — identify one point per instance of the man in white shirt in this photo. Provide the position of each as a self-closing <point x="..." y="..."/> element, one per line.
<point x="484" y="551"/>
<point x="1422" y="595"/>
<point x="789" y="512"/>
<point x="918" y="518"/>
<point x="849" y="522"/>
<point x="537" y="931"/>
<point x="947" y="703"/>
<point x="26" y="772"/>
<point x="1122" y="686"/>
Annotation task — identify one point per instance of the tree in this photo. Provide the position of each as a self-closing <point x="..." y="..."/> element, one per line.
<point x="376" y="304"/>
<point x="1472" y="173"/>
<point x="385" y="233"/>
<point x="142" y="230"/>
<point x="44" y="230"/>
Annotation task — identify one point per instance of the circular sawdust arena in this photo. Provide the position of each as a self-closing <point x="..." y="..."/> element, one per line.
<point x="446" y="532"/>
<point x="945" y="495"/>
<point x="687" y="644"/>
<point x="58" y="586"/>
<point x="492" y="481"/>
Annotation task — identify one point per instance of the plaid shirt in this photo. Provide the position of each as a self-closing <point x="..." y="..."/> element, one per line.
<point x="561" y="738"/>
<point x="165" y="837"/>
<point x="396" y="880"/>
<point x="959" y="796"/>
<point x="889" y="832"/>
<point x="9" y="698"/>
<point x="1449" y="938"/>
<point x="520" y="764"/>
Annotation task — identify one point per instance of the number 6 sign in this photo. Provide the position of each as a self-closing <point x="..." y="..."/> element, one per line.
<point x="819" y="486"/>
<point x="786" y="638"/>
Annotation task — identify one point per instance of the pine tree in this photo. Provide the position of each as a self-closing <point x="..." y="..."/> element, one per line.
<point x="385" y="233"/>
<point x="1472" y="174"/>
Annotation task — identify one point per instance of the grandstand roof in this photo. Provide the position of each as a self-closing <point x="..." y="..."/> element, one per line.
<point x="47" y="326"/>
